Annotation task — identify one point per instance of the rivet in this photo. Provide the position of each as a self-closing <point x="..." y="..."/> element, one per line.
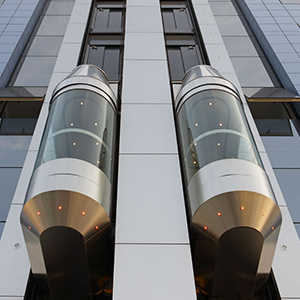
<point x="284" y="247"/>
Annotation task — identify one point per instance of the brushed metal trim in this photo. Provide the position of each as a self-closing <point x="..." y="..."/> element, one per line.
<point x="71" y="174"/>
<point x="227" y="175"/>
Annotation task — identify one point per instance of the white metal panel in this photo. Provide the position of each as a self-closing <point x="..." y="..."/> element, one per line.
<point x="19" y="196"/>
<point x="150" y="272"/>
<point x="144" y="46"/>
<point x="211" y="34"/>
<point x="147" y="129"/>
<point x="74" y="33"/>
<point x="39" y="128"/>
<point x="80" y="13"/>
<point x="11" y="298"/>
<point x="286" y="264"/>
<point x="146" y="81"/>
<point x="68" y="57"/>
<point x="142" y="3"/>
<point x="150" y="204"/>
<point x="204" y="13"/>
<point x="14" y="263"/>
<point x="143" y="19"/>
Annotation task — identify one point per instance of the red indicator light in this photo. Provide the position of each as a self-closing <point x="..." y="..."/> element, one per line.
<point x="242" y="208"/>
<point x="59" y="207"/>
<point x="83" y="213"/>
<point x="273" y="228"/>
<point x="205" y="227"/>
<point x="97" y="227"/>
<point x="263" y="214"/>
<point x="29" y="227"/>
<point x="38" y="213"/>
<point x="219" y="214"/>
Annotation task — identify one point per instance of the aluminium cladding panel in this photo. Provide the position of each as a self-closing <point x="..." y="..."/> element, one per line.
<point x="153" y="272"/>
<point x="14" y="263"/>
<point x="147" y="129"/>
<point x="136" y="88"/>
<point x="151" y="194"/>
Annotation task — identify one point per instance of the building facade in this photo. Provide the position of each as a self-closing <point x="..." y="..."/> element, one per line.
<point x="145" y="48"/>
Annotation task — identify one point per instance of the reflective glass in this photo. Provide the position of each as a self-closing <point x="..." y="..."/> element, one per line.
<point x="1" y="228"/>
<point x="19" y="117"/>
<point x="213" y="127"/>
<point x="81" y="125"/>
<point x="13" y="150"/>
<point x="8" y="181"/>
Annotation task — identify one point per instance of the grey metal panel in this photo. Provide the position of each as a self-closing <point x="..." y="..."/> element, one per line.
<point x="286" y="262"/>
<point x="30" y="73"/>
<point x="13" y="257"/>
<point x="230" y="25"/>
<point x="143" y="19"/>
<point x="8" y="181"/>
<point x="45" y="45"/>
<point x="59" y="8"/>
<point x="143" y="198"/>
<point x="239" y="46"/>
<point x="149" y="46"/>
<point x="147" y="129"/>
<point x="247" y="66"/>
<point x="13" y="150"/>
<point x="136" y="82"/>
<point x="51" y="25"/>
<point x="288" y="180"/>
<point x="169" y="272"/>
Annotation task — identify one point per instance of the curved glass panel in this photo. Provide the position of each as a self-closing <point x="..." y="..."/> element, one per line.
<point x="81" y="125"/>
<point x="213" y="127"/>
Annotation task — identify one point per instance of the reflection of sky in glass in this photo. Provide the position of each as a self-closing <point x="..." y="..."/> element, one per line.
<point x="213" y="127"/>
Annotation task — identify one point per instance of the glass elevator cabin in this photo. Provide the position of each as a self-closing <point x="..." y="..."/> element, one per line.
<point x="232" y="210"/>
<point x="67" y="213"/>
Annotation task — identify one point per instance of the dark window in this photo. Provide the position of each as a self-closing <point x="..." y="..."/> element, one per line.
<point x="183" y="45"/>
<point x="177" y="20"/>
<point x="272" y="118"/>
<point x="19" y="117"/>
<point x="108" y="19"/>
<point x="105" y="40"/>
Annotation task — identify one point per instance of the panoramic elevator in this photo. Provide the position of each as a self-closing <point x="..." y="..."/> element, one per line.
<point x="232" y="210"/>
<point x="67" y="213"/>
